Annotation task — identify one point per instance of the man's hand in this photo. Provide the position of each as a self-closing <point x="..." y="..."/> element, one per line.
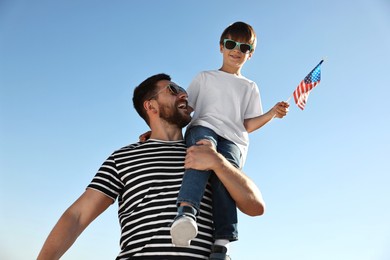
<point x="202" y="156"/>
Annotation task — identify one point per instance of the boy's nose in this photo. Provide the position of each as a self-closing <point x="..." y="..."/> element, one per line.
<point x="237" y="48"/>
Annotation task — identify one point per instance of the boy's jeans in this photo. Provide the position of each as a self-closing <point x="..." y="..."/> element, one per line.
<point x="194" y="184"/>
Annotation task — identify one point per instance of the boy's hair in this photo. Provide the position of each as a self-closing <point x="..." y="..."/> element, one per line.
<point x="144" y="91"/>
<point x="240" y="31"/>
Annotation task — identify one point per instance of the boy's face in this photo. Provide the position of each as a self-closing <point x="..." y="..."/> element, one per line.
<point x="234" y="58"/>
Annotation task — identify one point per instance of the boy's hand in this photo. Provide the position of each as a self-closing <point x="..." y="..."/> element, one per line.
<point x="280" y="109"/>
<point x="145" y="136"/>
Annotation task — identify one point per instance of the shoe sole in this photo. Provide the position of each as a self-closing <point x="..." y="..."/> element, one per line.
<point x="183" y="231"/>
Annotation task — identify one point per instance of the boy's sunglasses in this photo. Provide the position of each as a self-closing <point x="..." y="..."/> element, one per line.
<point x="173" y="89"/>
<point x="243" y="47"/>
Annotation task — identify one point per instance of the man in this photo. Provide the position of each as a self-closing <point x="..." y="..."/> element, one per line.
<point x="146" y="178"/>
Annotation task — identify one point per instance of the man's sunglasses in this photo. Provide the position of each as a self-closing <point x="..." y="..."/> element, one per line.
<point x="173" y="89"/>
<point x="243" y="47"/>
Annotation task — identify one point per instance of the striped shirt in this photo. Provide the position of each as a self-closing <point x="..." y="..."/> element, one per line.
<point x="146" y="178"/>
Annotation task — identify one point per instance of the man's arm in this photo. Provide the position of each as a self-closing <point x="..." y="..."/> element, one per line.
<point x="278" y="111"/>
<point x="72" y="223"/>
<point x="243" y="190"/>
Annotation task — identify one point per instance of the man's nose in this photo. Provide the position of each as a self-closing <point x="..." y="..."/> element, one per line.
<point x="182" y="95"/>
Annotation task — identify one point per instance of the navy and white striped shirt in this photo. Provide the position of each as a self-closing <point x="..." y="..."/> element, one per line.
<point x="146" y="178"/>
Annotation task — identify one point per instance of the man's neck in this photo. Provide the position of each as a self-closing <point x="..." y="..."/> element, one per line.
<point x="166" y="133"/>
<point x="167" y="137"/>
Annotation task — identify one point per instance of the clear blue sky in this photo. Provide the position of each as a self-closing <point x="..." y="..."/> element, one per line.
<point x="67" y="72"/>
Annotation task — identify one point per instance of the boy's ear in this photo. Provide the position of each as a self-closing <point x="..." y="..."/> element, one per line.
<point x="221" y="48"/>
<point x="250" y="55"/>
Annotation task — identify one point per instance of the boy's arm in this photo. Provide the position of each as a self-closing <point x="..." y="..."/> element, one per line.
<point x="241" y="188"/>
<point x="279" y="111"/>
<point x="72" y="223"/>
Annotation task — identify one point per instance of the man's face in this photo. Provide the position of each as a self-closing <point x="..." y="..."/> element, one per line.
<point x="173" y="107"/>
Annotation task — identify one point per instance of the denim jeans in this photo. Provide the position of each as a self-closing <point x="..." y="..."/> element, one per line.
<point x="194" y="184"/>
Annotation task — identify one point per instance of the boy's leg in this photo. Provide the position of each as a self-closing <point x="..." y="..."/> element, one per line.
<point x="195" y="181"/>
<point x="184" y="227"/>
<point x="224" y="207"/>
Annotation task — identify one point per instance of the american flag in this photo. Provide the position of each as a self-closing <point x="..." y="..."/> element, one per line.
<point x="301" y="94"/>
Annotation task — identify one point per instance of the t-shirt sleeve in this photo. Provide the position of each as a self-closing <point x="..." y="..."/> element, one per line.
<point x="193" y="91"/>
<point x="254" y="107"/>
<point x="107" y="179"/>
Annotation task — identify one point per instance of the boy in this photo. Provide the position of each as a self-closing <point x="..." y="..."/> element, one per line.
<point x="227" y="107"/>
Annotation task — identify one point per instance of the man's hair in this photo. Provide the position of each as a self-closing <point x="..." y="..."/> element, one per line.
<point x="144" y="91"/>
<point x="240" y="31"/>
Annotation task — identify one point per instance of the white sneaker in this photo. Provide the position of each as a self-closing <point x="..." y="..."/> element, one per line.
<point x="183" y="230"/>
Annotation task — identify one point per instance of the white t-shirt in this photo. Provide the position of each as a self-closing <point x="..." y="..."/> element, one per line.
<point x="221" y="101"/>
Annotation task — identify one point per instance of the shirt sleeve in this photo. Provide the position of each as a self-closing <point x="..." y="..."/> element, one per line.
<point x="254" y="107"/>
<point x="193" y="91"/>
<point x="107" y="180"/>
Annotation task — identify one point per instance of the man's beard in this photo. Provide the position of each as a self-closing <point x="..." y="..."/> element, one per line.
<point x="173" y="116"/>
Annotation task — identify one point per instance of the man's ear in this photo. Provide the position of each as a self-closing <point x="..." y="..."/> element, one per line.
<point x="150" y="105"/>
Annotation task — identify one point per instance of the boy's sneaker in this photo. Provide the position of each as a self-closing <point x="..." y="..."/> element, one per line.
<point x="219" y="253"/>
<point x="184" y="227"/>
